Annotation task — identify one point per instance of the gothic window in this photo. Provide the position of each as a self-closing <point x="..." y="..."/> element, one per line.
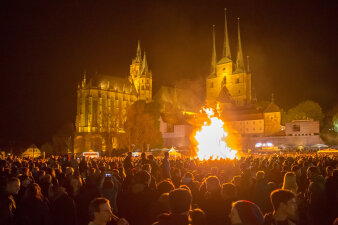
<point x="239" y="91"/>
<point x="142" y="87"/>
<point x="147" y="81"/>
<point x="237" y="80"/>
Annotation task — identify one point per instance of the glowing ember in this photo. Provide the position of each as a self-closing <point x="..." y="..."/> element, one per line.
<point x="211" y="140"/>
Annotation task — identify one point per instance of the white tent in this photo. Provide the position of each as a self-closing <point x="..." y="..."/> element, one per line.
<point x="32" y="151"/>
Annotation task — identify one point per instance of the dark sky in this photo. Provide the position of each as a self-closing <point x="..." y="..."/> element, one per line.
<point x="46" y="45"/>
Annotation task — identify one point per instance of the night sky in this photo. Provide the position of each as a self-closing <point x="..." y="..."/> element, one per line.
<point x="46" y="45"/>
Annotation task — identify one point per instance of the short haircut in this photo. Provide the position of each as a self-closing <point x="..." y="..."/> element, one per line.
<point x="180" y="200"/>
<point x="280" y="196"/>
<point x="12" y="179"/>
<point x="165" y="186"/>
<point x="314" y="170"/>
<point x="213" y="180"/>
<point x="295" y="168"/>
<point x="260" y="174"/>
<point x="229" y="189"/>
<point x="94" y="205"/>
<point x="198" y="217"/>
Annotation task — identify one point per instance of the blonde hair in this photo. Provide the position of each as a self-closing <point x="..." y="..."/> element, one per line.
<point x="290" y="182"/>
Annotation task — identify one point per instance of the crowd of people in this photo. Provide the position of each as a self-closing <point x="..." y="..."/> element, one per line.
<point x="264" y="190"/>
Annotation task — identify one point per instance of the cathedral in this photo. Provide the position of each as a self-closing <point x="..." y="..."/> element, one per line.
<point x="102" y="103"/>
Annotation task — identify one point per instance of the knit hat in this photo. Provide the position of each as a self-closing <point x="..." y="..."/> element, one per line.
<point x="249" y="212"/>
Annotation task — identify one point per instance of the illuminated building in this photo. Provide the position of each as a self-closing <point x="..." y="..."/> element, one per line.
<point x="102" y="102"/>
<point x="227" y="73"/>
<point x="229" y="85"/>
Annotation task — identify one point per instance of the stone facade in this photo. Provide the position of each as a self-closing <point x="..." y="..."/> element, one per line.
<point x="225" y="73"/>
<point x="102" y="103"/>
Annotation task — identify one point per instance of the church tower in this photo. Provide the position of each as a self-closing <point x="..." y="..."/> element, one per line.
<point x="239" y="82"/>
<point x="141" y="76"/>
<point x="212" y="82"/>
<point x="229" y="74"/>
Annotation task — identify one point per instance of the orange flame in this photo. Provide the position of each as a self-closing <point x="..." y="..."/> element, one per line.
<point x="211" y="139"/>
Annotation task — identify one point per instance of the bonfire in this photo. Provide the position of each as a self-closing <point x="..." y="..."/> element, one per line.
<point x="211" y="139"/>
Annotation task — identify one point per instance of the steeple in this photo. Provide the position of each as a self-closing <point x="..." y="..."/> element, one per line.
<point x="84" y="80"/>
<point x="213" y="57"/>
<point x="239" y="60"/>
<point x="138" y="52"/>
<point x="247" y="64"/>
<point x="272" y="98"/>
<point x="226" y="46"/>
<point x="144" y="69"/>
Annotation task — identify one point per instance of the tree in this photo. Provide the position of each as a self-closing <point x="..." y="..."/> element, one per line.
<point x="142" y="127"/>
<point x="47" y="148"/>
<point x="304" y="111"/>
<point x="283" y="117"/>
<point x="62" y="140"/>
<point x="329" y="131"/>
<point x="335" y="122"/>
<point x="112" y="120"/>
<point x="263" y="104"/>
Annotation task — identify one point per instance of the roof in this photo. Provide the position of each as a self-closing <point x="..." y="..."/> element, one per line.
<point x="248" y="112"/>
<point x="224" y="60"/>
<point x="120" y="84"/>
<point x="174" y="118"/>
<point x="272" y="108"/>
<point x="224" y="96"/>
<point x="212" y="75"/>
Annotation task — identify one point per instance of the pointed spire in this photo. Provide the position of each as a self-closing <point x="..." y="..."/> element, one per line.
<point x="84" y="80"/>
<point x="247" y="64"/>
<point x="213" y="57"/>
<point x="144" y="64"/>
<point x="226" y="45"/>
<point x="138" y="52"/>
<point x="239" y="60"/>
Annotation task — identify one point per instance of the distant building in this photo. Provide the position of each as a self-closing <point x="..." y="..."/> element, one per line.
<point x="302" y="128"/>
<point x="32" y="152"/>
<point x="233" y="75"/>
<point x="175" y="131"/>
<point x="102" y="102"/>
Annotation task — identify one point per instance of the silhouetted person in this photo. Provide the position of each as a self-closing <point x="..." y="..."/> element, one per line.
<point x="180" y="203"/>
<point x="285" y="205"/>
<point x="127" y="163"/>
<point x="245" y="212"/>
<point x="101" y="213"/>
<point x="33" y="209"/>
<point x="7" y="202"/>
<point x="62" y="206"/>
